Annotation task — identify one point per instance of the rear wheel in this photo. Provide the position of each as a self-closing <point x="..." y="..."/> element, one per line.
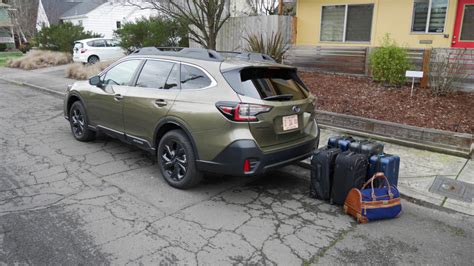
<point x="176" y="160"/>
<point x="79" y="122"/>
<point x="93" y="59"/>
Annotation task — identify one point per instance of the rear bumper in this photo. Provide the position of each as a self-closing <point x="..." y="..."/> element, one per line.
<point x="231" y="160"/>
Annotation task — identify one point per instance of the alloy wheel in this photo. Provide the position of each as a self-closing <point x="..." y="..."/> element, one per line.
<point x="78" y="122"/>
<point x="174" y="160"/>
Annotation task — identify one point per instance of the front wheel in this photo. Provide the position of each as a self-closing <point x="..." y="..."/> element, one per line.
<point x="176" y="160"/>
<point x="79" y="122"/>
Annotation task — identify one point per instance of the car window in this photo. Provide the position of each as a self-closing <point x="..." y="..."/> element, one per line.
<point x="154" y="74"/>
<point x="173" y="78"/>
<point x="267" y="83"/>
<point x="122" y="73"/>
<point x="96" y="43"/>
<point x="193" y="78"/>
<point x="111" y="43"/>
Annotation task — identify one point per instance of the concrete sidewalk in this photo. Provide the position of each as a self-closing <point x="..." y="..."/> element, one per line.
<point x="419" y="168"/>
<point x="50" y="79"/>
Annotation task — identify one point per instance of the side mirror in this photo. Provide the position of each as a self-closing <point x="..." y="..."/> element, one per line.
<point x="95" y="81"/>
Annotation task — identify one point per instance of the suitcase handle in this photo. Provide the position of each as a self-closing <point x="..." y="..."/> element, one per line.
<point x="378" y="175"/>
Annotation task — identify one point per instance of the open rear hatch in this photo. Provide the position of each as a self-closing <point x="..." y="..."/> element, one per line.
<point x="276" y="101"/>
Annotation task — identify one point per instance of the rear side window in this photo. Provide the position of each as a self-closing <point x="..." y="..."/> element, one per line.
<point x="96" y="43"/>
<point x="271" y="84"/>
<point x="154" y="74"/>
<point x="193" y="78"/>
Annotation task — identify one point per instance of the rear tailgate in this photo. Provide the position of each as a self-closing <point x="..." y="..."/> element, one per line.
<point x="291" y="104"/>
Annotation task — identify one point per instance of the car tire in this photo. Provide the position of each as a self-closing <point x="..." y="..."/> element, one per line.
<point x="80" y="123"/>
<point x="177" y="161"/>
<point x="93" y="59"/>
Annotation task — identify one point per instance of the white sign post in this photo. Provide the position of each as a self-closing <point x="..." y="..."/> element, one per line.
<point x="413" y="75"/>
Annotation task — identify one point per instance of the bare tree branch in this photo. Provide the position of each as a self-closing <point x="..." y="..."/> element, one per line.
<point x="203" y="18"/>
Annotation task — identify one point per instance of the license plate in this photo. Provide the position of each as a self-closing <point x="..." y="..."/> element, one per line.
<point x="290" y="122"/>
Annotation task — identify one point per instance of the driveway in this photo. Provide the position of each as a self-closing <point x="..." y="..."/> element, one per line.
<point x="104" y="202"/>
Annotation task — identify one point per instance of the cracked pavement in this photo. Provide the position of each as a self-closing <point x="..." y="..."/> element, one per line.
<point x="104" y="202"/>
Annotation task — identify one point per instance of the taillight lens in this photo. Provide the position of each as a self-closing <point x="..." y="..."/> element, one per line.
<point x="242" y="112"/>
<point x="83" y="50"/>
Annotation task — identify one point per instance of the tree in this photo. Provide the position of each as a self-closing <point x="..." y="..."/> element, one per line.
<point x="155" y="31"/>
<point x="61" y="37"/>
<point x="203" y="19"/>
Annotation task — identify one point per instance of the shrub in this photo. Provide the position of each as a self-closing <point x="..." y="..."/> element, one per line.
<point x="82" y="72"/>
<point x="389" y="63"/>
<point x="39" y="59"/>
<point x="3" y="47"/>
<point x="446" y="70"/>
<point x="61" y="37"/>
<point x="155" y="31"/>
<point x="273" y="46"/>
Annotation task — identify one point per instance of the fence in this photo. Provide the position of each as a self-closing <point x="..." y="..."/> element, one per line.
<point x="231" y="36"/>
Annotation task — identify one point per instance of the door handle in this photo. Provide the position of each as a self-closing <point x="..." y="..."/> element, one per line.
<point x="160" y="102"/>
<point x="118" y="97"/>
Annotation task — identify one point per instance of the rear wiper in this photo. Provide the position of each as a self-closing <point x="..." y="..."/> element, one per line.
<point x="282" y="97"/>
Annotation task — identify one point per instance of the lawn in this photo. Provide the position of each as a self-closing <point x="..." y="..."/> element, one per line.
<point x="5" y="56"/>
<point x="360" y="96"/>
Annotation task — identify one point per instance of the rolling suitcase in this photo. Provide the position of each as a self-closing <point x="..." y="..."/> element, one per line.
<point x="322" y="172"/>
<point x="366" y="147"/>
<point x="349" y="172"/>
<point x="341" y="142"/>
<point x="388" y="164"/>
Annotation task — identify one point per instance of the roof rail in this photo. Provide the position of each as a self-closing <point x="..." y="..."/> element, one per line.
<point x="203" y="54"/>
<point x="196" y="53"/>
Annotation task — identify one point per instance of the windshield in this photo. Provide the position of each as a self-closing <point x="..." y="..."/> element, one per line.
<point x="271" y="84"/>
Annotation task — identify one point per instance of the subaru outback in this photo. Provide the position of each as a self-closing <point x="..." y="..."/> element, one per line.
<point x="199" y="111"/>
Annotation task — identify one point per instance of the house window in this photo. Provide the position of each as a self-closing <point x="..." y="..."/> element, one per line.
<point x="118" y="24"/>
<point x="429" y="16"/>
<point x="346" y="23"/>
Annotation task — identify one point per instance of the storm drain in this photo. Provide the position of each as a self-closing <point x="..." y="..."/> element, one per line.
<point x="453" y="189"/>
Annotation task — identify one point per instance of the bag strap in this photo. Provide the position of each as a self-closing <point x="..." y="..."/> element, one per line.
<point x="378" y="175"/>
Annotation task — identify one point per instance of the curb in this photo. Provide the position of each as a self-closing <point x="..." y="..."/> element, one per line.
<point x="453" y="143"/>
<point x="21" y="83"/>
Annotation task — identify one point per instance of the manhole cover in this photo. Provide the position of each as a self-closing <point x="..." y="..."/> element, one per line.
<point x="453" y="189"/>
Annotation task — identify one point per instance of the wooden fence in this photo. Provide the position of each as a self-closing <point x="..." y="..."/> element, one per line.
<point x="231" y="36"/>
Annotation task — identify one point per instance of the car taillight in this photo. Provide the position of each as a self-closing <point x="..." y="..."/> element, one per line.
<point x="83" y="50"/>
<point x="242" y="112"/>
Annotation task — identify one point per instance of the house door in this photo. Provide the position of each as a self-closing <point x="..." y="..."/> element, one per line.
<point x="463" y="36"/>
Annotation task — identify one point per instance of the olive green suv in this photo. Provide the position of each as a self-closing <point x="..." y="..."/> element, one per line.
<point x="199" y="111"/>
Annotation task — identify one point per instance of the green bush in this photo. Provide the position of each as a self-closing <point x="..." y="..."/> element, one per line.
<point x="3" y="47"/>
<point x="61" y="37"/>
<point x="389" y="63"/>
<point x="274" y="45"/>
<point x="155" y="31"/>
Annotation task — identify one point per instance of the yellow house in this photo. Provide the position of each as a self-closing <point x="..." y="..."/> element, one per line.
<point x="412" y="23"/>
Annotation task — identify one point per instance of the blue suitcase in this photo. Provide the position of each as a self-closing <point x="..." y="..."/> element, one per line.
<point x="341" y="142"/>
<point x="388" y="164"/>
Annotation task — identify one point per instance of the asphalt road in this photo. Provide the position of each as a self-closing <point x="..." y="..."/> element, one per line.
<point x="104" y="202"/>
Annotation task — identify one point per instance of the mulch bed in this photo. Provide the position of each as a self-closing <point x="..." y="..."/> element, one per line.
<point x="360" y="96"/>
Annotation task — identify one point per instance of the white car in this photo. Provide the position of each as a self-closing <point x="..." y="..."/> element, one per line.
<point x="98" y="49"/>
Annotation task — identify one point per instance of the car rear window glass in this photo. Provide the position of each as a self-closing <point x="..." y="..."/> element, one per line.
<point x="154" y="74"/>
<point x="173" y="78"/>
<point x="78" y="45"/>
<point x="193" y="78"/>
<point x="276" y="84"/>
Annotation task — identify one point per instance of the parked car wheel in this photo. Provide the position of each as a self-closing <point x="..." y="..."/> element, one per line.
<point x="177" y="161"/>
<point x="93" y="59"/>
<point x="79" y="123"/>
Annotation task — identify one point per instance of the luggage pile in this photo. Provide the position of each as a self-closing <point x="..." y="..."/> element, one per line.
<point x="359" y="175"/>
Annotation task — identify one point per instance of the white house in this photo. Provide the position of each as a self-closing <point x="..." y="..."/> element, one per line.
<point x="50" y="11"/>
<point x="104" y="17"/>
